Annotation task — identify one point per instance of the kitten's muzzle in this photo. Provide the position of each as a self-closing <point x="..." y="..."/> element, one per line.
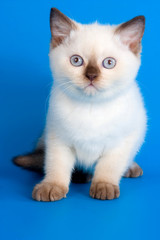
<point x="92" y="71"/>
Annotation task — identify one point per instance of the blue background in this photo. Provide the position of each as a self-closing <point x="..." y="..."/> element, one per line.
<point x="25" y="81"/>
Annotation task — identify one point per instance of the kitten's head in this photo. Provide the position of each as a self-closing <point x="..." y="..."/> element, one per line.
<point x="94" y="60"/>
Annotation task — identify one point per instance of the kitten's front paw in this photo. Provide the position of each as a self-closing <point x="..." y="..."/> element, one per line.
<point x="47" y="192"/>
<point x="103" y="191"/>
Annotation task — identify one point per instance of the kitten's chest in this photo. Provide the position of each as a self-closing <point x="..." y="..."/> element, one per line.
<point x="88" y="124"/>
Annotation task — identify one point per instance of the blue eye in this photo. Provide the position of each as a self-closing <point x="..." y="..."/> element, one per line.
<point x="76" y="60"/>
<point x="109" y="63"/>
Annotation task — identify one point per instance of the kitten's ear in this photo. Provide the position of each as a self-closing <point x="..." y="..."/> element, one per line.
<point x="131" y="33"/>
<point x="60" y="26"/>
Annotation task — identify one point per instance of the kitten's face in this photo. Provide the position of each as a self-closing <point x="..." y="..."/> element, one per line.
<point x="93" y="59"/>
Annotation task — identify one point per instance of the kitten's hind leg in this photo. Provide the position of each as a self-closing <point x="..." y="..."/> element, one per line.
<point x="133" y="171"/>
<point x="32" y="161"/>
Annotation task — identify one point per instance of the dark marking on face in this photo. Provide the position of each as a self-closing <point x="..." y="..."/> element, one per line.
<point x="92" y="71"/>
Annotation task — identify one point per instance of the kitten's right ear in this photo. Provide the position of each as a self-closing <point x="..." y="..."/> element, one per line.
<point x="60" y="26"/>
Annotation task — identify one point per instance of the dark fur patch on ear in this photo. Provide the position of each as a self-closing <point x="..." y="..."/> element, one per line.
<point x="136" y="20"/>
<point x="131" y="33"/>
<point x="60" y="26"/>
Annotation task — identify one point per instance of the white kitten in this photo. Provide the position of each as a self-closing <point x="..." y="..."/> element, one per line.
<point x="96" y="113"/>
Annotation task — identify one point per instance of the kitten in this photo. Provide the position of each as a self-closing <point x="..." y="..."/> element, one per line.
<point x="96" y="114"/>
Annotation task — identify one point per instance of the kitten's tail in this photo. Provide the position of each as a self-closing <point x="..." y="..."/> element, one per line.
<point x="35" y="162"/>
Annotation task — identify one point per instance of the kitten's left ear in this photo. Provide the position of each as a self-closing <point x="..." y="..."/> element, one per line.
<point x="131" y="33"/>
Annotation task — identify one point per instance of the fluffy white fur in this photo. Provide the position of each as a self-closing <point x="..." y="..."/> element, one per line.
<point x="104" y="125"/>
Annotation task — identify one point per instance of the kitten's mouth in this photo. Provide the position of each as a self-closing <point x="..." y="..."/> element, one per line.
<point x="90" y="89"/>
<point x="91" y="85"/>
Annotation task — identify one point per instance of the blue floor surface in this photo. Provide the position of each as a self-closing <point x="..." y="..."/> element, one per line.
<point x="25" y="82"/>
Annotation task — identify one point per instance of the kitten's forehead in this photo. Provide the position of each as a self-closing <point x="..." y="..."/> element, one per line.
<point x="96" y="29"/>
<point x="92" y="39"/>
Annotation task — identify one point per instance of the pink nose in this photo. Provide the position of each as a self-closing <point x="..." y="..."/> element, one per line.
<point x="91" y="76"/>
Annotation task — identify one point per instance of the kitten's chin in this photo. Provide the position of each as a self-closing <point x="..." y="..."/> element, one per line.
<point x="90" y="90"/>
